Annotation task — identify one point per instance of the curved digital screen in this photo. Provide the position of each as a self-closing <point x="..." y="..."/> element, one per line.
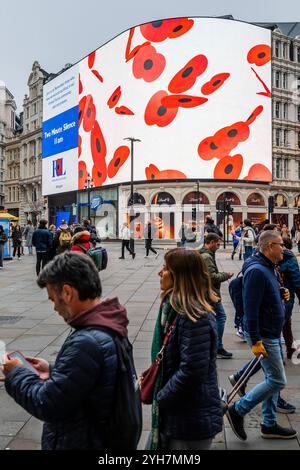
<point x="196" y="92"/>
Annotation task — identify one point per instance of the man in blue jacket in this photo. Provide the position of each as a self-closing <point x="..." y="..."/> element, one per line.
<point x="75" y="396"/>
<point x="263" y="321"/>
<point x="42" y="240"/>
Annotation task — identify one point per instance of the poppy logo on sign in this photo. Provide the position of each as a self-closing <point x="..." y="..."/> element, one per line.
<point x="58" y="168"/>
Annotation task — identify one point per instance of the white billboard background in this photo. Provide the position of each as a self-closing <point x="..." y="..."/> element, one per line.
<point x="175" y="147"/>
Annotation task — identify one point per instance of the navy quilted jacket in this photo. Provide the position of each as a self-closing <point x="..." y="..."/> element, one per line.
<point x="189" y="402"/>
<point x="76" y="400"/>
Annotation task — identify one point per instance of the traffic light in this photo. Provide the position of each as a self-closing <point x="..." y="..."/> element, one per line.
<point x="271" y="204"/>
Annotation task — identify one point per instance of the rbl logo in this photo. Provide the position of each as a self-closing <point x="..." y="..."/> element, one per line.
<point x="57" y="168"/>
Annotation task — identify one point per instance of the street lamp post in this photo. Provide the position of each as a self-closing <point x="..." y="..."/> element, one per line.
<point x="131" y="217"/>
<point x="88" y="185"/>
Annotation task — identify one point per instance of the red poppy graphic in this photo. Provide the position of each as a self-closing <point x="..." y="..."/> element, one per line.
<point x="159" y="30"/>
<point x="99" y="173"/>
<point x="120" y="156"/>
<point x="128" y="53"/>
<point x="259" y="172"/>
<point x="89" y="114"/>
<point x="80" y="86"/>
<point x="82" y="174"/>
<point x="267" y="92"/>
<point x="97" y="74"/>
<point x="183" y="101"/>
<point x="79" y="145"/>
<point x="254" y="114"/>
<point x="179" y="26"/>
<point x="186" y="77"/>
<point x="215" y="82"/>
<point x="81" y="108"/>
<point x="114" y="98"/>
<point x="148" y="64"/>
<point x="210" y="148"/>
<point x="157" y="113"/>
<point x="259" y="55"/>
<point x="91" y="59"/>
<point x="229" y="167"/>
<point x="124" y="110"/>
<point x="98" y="146"/>
<point x="153" y="173"/>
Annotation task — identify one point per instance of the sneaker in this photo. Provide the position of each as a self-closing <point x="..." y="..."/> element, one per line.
<point x="277" y="432"/>
<point x="285" y="407"/>
<point x="233" y="380"/>
<point x="236" y="422"/>
<point x="157" y="255"/>
<point x="223" y="354"/>
<point x="240" y="333"/>
<point x="133" y="255"/>
<point x="121" y="257"/>
<point x="145" y="256"/>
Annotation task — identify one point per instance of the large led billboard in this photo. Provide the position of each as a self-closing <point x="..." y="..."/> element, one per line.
<point x="195" y="91"/>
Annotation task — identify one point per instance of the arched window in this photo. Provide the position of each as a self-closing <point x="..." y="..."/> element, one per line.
<point x="163" y="198"/>
<point x="255" y="199"/>
<point x="297" y="201"/>
<point x="280" y="200"/>
<point x="137" y="199"/>
<point x="230" y="198"/>
<point x="195" y="197"/>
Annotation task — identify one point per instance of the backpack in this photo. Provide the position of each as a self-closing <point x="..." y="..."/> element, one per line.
<point x="65" y="238"/>
<point x="98" y="255"/>
<point x="236" y="293"/>
<point x="125" y="423"/>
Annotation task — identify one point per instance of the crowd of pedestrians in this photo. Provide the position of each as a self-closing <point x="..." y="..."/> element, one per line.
<point x="74" y="397"/>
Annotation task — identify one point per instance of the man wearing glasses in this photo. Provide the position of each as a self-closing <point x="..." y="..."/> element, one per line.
<point x="263" y="321"/>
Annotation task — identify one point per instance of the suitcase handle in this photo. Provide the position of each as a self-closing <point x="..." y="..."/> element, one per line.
<point x="245" y="376"/>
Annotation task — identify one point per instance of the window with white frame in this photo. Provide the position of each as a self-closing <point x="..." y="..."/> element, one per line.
<point x="284" y="81"/>
<point x="277" y="48"/>
<point x="284" y="50"/>
<point x="277" y="109"/>
<point x="285" y="111"/>
<point x="298" y="140"/>
<point x="277" y="137"/>
<point x="277" y="168"/>
<point x="277" y="79"/>
<point x="285" y="137"/>
<point x="285" y="169"/>
<point x="298" y="113"/>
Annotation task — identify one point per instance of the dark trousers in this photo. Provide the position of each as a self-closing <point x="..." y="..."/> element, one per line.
<point x="15" y="250"/>
<point x="41" y="259"/>
<point x="126" y="244"/>
<point x="148" y="247"/>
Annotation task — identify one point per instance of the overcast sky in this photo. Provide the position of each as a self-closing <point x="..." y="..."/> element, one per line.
<point x="56" y="32"/>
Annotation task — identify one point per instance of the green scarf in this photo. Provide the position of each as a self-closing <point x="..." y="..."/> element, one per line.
<point x="165" y="317"/>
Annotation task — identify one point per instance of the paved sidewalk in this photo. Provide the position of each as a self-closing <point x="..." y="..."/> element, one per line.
<point x="29" y="324"/>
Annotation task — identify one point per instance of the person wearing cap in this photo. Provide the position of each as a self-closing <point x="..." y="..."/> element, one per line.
<point x="63" y="238"/>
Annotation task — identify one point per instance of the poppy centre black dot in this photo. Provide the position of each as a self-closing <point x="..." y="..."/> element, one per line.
<point x="99" y="174"/>
<point x="122" y="112"/>
<point x="261" y="55"/>
<point x="213" y="146"/>
<point x="148" y="64"/>
<point x="216" y="82"/>
<point x="79" y="115"/>
<point x="114" y="98"/>
<point x="187" y="72"/>
<point x="178" y="28"/>
<point x="161" y="110"/>
<point x="88" y="113"/>
<point x="156" y="24"/>
<point x="153" y="176"/>
<point x="232" y="133"/>
<point x="228" y="169"/>
<point x="98" y="145"/>
<point x="184" y="100"/>
<point x="80" y="173"/>
<point x="117" y="161"/>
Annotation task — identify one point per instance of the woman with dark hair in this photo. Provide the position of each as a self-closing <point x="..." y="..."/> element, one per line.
<point x="17" y="240"/>
<point x="3" y="240"/>
<point x="186" y="409"/>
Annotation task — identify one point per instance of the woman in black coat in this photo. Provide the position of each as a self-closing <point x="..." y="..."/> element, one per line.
<point x="17" y="240"/>
<point x="186" y="410"/>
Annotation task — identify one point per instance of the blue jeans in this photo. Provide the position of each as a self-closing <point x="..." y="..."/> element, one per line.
<point x="248" y="252"/>
<point x="221" y="320"/>
<point x="266" y="392"/>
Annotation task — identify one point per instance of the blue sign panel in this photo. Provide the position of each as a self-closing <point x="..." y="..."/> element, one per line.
<point x="62" y="216"/>
<point x="96" y="202"/>
<point x="60" y="133"/>
<point x="6" y="224"/>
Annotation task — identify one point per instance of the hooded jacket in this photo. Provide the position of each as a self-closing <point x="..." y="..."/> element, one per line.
<point x="75" y="402"/>
<point x="81" y="238"/>
<point x="216" y="277"/>
<point x="289" y="269"/>
<point x="263" y="307"/>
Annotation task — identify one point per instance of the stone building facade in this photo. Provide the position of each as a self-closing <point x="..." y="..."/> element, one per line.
<point x="7" y="127"/>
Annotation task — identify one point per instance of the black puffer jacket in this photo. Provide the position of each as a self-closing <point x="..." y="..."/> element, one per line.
<point x="189" y="402"/>
<point x="76" y="400"/>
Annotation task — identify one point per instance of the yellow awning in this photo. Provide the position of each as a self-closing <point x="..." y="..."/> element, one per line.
<point x="6" y="215"/>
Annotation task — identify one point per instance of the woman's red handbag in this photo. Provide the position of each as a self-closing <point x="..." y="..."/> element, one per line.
<point x="148" y="377"/>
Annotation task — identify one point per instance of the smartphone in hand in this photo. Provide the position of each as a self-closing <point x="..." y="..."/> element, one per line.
<point x="25" y="363"/>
